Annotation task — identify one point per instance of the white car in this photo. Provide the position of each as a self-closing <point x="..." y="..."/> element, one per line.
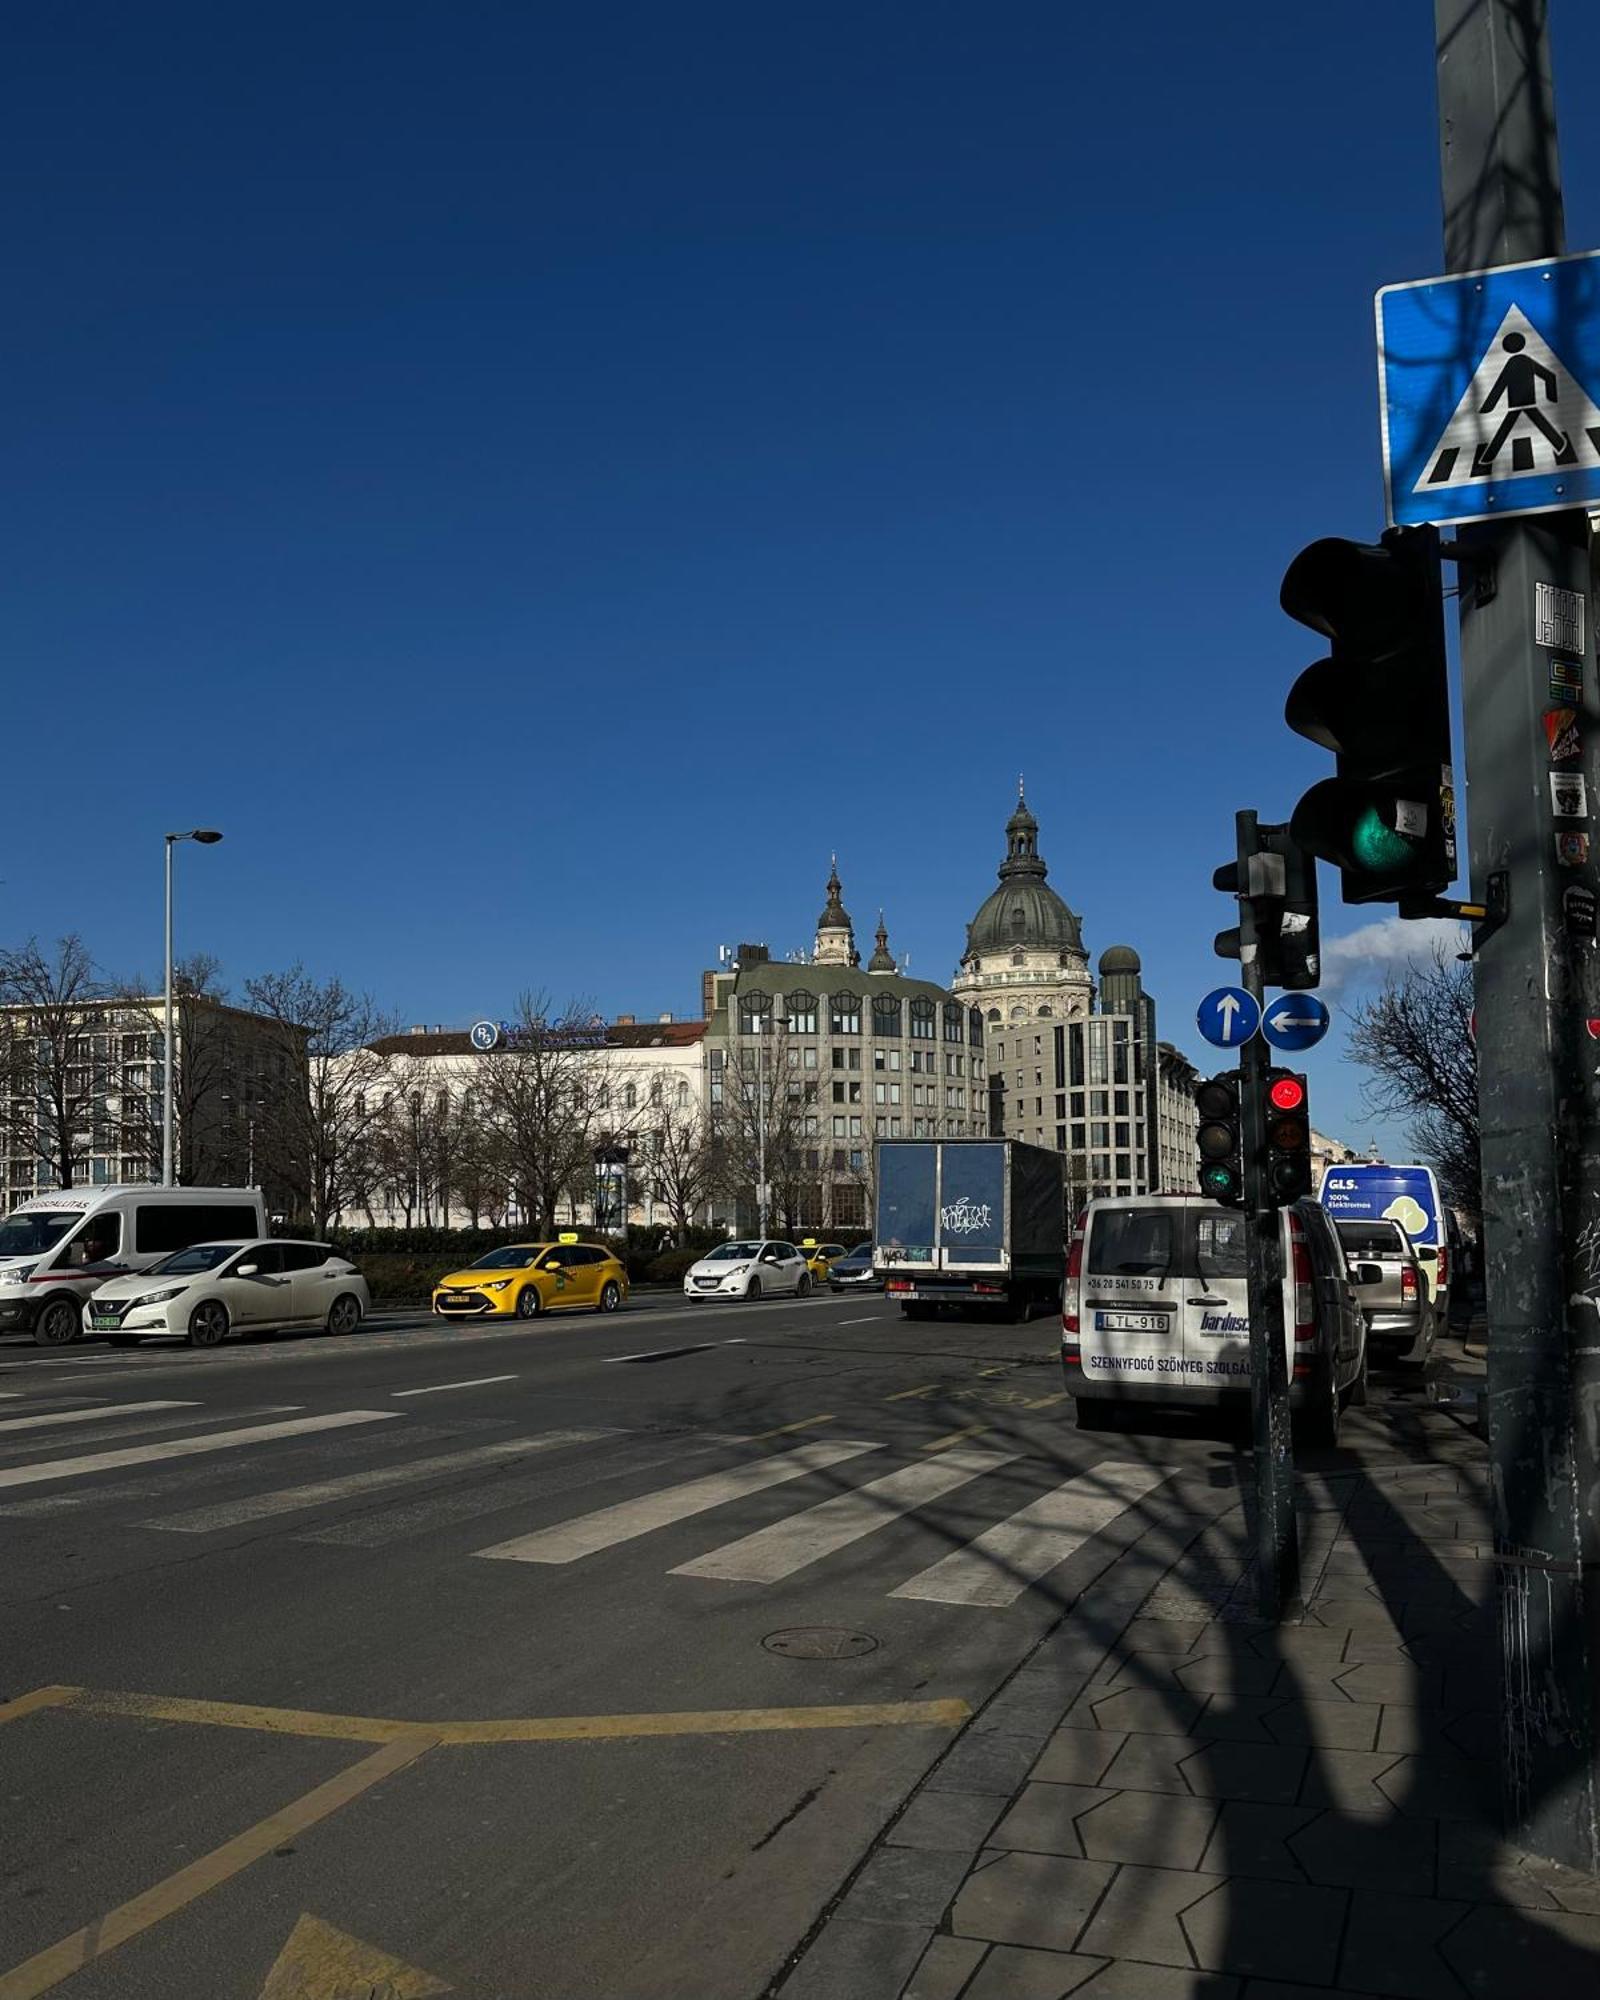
<point x="747" y="1270"/>
<point x="241" y="1286"/>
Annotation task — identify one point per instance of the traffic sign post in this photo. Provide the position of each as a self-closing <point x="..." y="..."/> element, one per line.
<point x="1229" y="1016"/>
<point x="1297" y="1021"/>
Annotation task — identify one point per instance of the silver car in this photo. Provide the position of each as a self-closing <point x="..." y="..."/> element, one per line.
<point x="239" y="1286"/>
<point x="1400" y="1315"/>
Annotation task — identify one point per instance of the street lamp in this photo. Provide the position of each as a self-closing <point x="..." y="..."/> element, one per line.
<point x="208" y="837"/>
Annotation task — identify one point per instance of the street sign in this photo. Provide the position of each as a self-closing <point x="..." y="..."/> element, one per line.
<point x="1228" y="1017"/>
<point x="1487" y="387"/>
<point x="1296" y="1021"/>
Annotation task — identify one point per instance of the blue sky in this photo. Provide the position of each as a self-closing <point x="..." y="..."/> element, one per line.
<point x="541" y="479"/>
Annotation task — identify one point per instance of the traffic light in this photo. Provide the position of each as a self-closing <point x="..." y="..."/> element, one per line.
<point x="1281" y="889"/>
<point x="1381" y="703"/>
<point x="1219" y="1138"/>
<point x="1287" y="1122"/>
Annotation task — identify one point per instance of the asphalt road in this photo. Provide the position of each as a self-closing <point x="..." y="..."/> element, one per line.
<point x="580" y="1659"/>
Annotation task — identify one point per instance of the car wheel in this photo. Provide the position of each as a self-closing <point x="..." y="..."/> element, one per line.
<point x="1355" y="1397"/>
<point x="59" y="1324"/>
<point x="208" y="1324"/>
<point x="1319" y="1425"/>
<point x="528" y="1302"/>
<point x="753" y="1289"/>
<point x="610" y="1296"/>
<point x="803" y="1289"/>
<point x="344" y="1315"/>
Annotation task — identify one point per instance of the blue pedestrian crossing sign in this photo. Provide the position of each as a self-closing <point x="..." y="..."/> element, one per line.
<point x="1295" y="1021"/>
<point x="1228" y="1017"/>
<point x="1487" y="387"/>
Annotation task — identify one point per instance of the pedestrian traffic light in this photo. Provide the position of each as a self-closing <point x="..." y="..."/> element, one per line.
<point x="1287" y="1121"/>
<point x="1218" y="1138"/>
<point x="1281" y="889"/>
<point x="1381" y="703"/>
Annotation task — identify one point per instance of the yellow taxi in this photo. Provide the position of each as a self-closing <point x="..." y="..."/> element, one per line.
<point x="522" y="1280"/>
<point x="819" y="1256"/>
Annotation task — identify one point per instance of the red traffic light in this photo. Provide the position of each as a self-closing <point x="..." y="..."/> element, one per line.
<point x="1288" y="1093"/>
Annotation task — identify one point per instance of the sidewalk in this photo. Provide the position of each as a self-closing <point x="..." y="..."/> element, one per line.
<point x="1170" y="1799"/>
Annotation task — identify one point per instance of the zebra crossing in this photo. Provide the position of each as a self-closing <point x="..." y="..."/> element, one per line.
<point x="382" y="1477"/>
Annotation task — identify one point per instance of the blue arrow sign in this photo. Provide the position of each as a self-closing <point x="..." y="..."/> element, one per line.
<point x="1228" y="1017"/>
<point x="1296" y="1021"/>
<point x="1488" y="384"/>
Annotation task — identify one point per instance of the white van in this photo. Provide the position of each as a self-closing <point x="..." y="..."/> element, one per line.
<point x="1154" y="1311"/>
<point x="57" y="1248"/>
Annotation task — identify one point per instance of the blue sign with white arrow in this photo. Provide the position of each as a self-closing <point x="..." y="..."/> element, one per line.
<point x="1228" y="1017"/>
<point x="1487" y="387"/>
<point x="1295" y="1021"/>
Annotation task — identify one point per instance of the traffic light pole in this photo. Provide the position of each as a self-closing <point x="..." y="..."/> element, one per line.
<point x="1277" y="1539"/>
<point x="1537" y="985"/>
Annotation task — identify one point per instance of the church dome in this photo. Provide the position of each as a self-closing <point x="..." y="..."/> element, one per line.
<point x="1119" y="958"/>
<point x="834" y="916"/>
<point x="1024" y="913"/>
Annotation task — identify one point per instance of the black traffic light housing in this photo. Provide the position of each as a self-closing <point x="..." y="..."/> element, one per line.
<point x="1219" y="1138"/>
<point x="1281" y="889"/>
<point x="1381" y="702"/>
<point x="1286" y="1120"/>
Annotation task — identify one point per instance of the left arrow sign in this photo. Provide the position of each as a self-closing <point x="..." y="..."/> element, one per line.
<point x="321" y="1963"/>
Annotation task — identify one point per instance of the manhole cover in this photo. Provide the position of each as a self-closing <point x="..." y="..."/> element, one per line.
<point x="819" y="1642"/>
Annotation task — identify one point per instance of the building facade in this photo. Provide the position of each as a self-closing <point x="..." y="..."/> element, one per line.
<point x="811" y="1059"/>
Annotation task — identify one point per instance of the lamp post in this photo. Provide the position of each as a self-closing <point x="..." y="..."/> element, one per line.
<point x="758" y="1005"/>
<point x="208" y="837"/>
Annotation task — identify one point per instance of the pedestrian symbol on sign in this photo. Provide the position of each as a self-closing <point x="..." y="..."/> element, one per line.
<point x="1522" y="397"/>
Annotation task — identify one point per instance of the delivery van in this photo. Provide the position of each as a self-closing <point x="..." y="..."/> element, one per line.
<point x="1372" y="1191"/>
<point x="1155" y="1311"/>
<point x="57" y="1248"/>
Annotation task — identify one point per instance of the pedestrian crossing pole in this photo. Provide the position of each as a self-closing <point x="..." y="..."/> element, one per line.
<point x="1277" y="1539"/>
<point x="1525" y="608"/>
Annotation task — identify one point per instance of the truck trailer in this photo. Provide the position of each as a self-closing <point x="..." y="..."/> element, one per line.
<point x="978" y="1226"/>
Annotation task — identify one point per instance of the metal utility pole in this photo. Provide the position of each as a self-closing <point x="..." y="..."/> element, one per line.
<point x="761" y="1123"/>
<point x="1277" y="1537"/>
<point x="1524" y="606"/>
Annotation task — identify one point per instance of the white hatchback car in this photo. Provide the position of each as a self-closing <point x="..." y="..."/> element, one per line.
<point x="213" y="1289"/>
<point x="746" y="1270"/>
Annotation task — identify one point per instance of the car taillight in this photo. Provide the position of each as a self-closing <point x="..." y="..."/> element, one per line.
<point x="1441" y="1267"/>
<point x="1305" y="1309"/>
<point x="1408" y="1285"/>
<point x="1069" y="1291"/>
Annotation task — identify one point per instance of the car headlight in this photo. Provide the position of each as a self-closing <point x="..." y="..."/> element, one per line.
<point x="161" y="1298"/>
<point x="494" y="1284"/>
<point x="19" y="1274"/>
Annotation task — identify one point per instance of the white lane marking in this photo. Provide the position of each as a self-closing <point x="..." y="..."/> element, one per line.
<point x="805" y="1538"/>
<point x="289" y="1499"/>
<point x="1001" y="1564"/>
<point x="870" y="1320"/>
<point x="436" y="1388"/>
<point x="630" y="1518"/>
<point x="10" y="1395"/>
<point x="148" y="1454"/>
<point x="92" y="1416"/>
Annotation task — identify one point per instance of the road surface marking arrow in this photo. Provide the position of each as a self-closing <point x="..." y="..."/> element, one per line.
<point x="320" y="1963"/>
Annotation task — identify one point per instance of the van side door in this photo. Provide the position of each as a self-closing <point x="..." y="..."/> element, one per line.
<point x="1216" y="1302"/>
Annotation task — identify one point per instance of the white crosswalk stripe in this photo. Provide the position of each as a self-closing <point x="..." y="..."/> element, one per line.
<point x="999" y="1565"/>
<point x="629" y="1519"/>
<point x="37" y="1471"/>
<point x="805" y="1538"/>
<point x="354" y="1485"/>
<point x="92" y="1416"/>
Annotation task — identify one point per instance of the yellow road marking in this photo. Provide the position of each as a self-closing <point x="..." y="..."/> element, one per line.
<point x="510" y="1729"/>
<point x="320" y="1963"/>
<point x="991" y="1371"/>
<point x="900" y="1395"/>
<point x="783" y="1430"/>
<point x="47" y="1969"/>
<point x="954" y="1437"/>
<point x="28" y="1704"/>
<point x="1044" y="1402"/>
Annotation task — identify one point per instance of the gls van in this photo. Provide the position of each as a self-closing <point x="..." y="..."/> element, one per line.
<point x="56" y="1249"/>
<point x="1154" y="1311"/>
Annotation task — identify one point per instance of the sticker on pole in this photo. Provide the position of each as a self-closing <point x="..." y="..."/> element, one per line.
<point x="1228" y="1017"/>
<point x="1297" y="1021"/>
<point x="1487" y="387"/>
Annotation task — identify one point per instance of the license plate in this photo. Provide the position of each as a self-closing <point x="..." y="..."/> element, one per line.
<point x="101" y="1320"/>
<point x="1132" y="1322"/>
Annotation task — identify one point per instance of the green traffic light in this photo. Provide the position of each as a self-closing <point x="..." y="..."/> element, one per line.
<point x="1377" y="847"/>
<point x="1218" y="1181"/>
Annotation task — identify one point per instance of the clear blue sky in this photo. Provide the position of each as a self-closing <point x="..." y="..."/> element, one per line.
<point x="540" y="478"/>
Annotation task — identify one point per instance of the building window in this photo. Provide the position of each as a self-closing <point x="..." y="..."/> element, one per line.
<point x="844" y="1013"/>
<point x="880" y="1093"/>
<point x="855" y="1059"/>
<point x="855" y="1093"/>
<point x="855" y="1128"/>
<point x="808" y="1059"/>
<point x="886" y="1016"/>
<point x="923" y="1017"/>
<point x="974" y="1028"/>
<point x="894" y="1128"/>
<point x="838" y="1128"/>
<point x="894" y="1093"/>
<point x="955" y="1021"/>
<point x="802" y="1012"/>
<point x="630" y="1098"/>
<point x="838" y="1093"/>
<point x="838" y="1058"/>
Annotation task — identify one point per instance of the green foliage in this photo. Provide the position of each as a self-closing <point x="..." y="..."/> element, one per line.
<point x="402" y="1266"/>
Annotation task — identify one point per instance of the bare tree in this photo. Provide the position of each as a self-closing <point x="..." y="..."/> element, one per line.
<point x="319" y="1141"/>
<point x="544" y="1097"/>
<point x="682" y="1163"/>
<point x="474" y="1163"/>
<point x="60" y="1089"/>
<point x="771" y="1107"/>
<point x="208" y="1083"/>
<point x="1415" y="1043"/>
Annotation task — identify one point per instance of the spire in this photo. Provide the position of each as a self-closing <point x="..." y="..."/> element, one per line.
<point x="836" y="940"/>
<point x="1022" y="842"/>
<point x="882" y="960"/>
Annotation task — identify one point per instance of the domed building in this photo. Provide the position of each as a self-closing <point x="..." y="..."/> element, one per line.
<point x="1072" y="1067"/>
